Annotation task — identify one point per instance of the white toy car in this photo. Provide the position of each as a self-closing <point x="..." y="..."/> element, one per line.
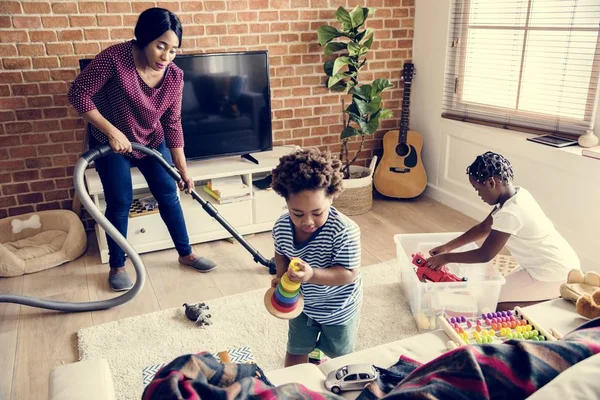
<point x="350" y="377"/>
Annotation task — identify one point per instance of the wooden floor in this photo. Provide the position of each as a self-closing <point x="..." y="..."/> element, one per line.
<point x="33" y="341"/>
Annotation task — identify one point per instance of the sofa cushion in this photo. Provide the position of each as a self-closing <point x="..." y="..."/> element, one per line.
<point x="308" y="375"/>
<point x="580" y="382"/>
<point x="89" y="379"/>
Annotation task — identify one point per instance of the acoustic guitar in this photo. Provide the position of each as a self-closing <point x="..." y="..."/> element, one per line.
<point x="400" y="173"/>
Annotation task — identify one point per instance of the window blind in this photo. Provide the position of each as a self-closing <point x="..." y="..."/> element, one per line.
<point x="528" y="65"/>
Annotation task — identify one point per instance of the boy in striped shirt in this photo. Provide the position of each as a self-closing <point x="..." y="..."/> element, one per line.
<point x="327" y="243"/>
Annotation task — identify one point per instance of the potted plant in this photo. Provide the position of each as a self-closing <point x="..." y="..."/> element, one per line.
<point x="347" y="50"/>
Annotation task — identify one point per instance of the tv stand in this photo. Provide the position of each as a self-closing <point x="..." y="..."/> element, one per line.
<point x="147" y="232"/>
<point x="250" y="158"/>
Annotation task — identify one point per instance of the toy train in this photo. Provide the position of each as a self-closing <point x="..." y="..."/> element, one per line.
<point x="425" y="273"/>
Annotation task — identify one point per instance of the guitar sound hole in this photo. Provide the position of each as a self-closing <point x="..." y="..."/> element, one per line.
<point x="402" y="150"/>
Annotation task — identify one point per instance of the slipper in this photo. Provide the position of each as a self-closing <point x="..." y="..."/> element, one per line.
<point x="120" y="282"/>
<point x="201" y="264"/>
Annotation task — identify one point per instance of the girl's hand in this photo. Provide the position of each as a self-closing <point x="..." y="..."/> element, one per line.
<point x="275" y="282"/>
<point x="437" y="262"/>
<point x="186" y="180"/>
<point x="304" y="274"/>
<point x="119" y="143"/>
<point x="439" y="250"/>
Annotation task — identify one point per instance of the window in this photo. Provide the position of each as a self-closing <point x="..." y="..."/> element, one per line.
<point x="529" y="65"/>
<point x="351" y="377"/>
<point x="364" y="376"/>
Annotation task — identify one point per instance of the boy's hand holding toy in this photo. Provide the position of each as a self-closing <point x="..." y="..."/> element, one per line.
<point x="299" y="271"/>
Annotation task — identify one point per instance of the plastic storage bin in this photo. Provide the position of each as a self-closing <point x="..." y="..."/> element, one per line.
<point x="428" y="300"/>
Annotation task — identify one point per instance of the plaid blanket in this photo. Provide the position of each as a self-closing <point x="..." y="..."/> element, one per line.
<point x="514" y="369"/>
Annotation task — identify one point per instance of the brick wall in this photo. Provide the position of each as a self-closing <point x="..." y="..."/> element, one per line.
<point x="41" y="42"/>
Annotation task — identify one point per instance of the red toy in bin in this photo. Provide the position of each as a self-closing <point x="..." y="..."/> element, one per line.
<point x="426" y="273"/>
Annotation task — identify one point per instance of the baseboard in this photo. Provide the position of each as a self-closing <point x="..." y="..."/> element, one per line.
<point x="445" y="197"/>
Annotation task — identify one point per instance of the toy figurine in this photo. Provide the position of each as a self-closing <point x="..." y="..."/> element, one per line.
<point x="425" y="273"/>
<point x="195" y="312"/>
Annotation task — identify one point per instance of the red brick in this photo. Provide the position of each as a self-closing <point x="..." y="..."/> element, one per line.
<point x="4" y="90"/>
<point x="110" y="20"/>
<point x="31" y="50"/>
<point x="3" y="214"/>
<point x="207" y="42"/>
<point x="46" y="126"/>
<point x="42" y="186"/>
<point x="43" y="36"/>
<point x="7" y="116"/>
<point x="96" y="34"/>
<point x="70" y="35"/>
<point x="247" y="16"/>
<point x="289" y="37"/>
<point x="63" y="74"/>
<point x="8" y="50"/>
<point x="91" y="7"/>
<point x="82" y="21"/>
<point x="64" y="8"/>
<point x="38" y="162"/>
<point x="25" y="176"/>
<point x="33" y="7"/>
<point x="27" y="22"/>
<point x="40" y="101"/>
<point x="226" y="17"/>
<point x="118" y="8"/>
<point x="8" y="201"/>
<point x="53" y="87"/>
<point x="65" y="160"/>
<point x="58" y="21"/>
<point x="50" y="149"/>
<point x="248" y="40"/>
<point x="35" y="138"/>
<point x="5" y="21"/>
<point x="15" y="189"/>
<point x="16" y="63"/>
<point x="174" y="7"/>
<point x="214" y="5"/>
<point x="30" y="198"/>
<point x="17" y="128"/>
<point x="138" y="7"/>
<point x="56" y="195"/>
<point x="216" y="30"/>
<point x="10" y="77"/>
<point x="13" y="36"/>
<point x="53" y="173"/>
<point x="28" y="114"/>
<point x="28" y="89"/>
<point x="22" y="152"/>
<point x="59" y="112"/>
<point x="268" y="16"/>
<point x="12" y="140"/>
<point x="126" y="33"/>
<point x="70" y="61"/>
<point x="54" y="205"/>
<point x="62" y="136"/>
<point x="14" y="211"/>
<point x="68" y="204"/>
<point x="12" y="165"/>
<point x="229" y="40"/>
<point x="65" y="183"/>
<point x="10" y="7"/>
<point x="5" y="178"/>
<point x="259" y="4"/>
<point x="59" y="48"/>
<point x="71" y="123"/>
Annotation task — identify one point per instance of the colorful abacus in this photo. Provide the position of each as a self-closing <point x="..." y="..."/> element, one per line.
<point x="493" y="328"/>
<point x="285" y="301"/>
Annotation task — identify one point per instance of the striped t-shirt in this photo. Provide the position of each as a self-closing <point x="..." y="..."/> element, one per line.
<point x="337" y="242"/>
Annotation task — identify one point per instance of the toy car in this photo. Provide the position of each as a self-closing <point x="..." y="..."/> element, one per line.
<point x="425" y="273"/>
<point x="350" y="377"/>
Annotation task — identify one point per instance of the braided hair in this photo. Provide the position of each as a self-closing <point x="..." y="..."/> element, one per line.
<point x="489" y="165"/>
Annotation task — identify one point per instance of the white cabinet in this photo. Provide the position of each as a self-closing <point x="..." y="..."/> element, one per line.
<point x="257" y="214"/>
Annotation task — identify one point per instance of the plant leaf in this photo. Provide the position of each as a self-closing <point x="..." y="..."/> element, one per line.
<point x="341" y="86"/>
<point x="349" y="132"/>
<point x="340" y="63"/>
<point x="326" y="34"/>
<point x="363" y="92"/>
<point x="369" y="42"/>
<point x="360" y="36"/>
<point x="328" y="67"/>
<point x="369" y="128"/>
<point x="353" y="112"/>
<point x="354" y="49"/>
<point x="344" y="17"/>
<point x="333" y="47"/>
<point x="385" y="114"/>
<point x="368" y="12"/>
<point x="335" y="79"/>
<point x="379" y="85"/>
<point x="357" y="16"/>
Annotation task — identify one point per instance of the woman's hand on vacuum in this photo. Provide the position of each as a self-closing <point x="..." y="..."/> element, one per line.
<point x="186" y="180"/>
<point x="119" y="142"/>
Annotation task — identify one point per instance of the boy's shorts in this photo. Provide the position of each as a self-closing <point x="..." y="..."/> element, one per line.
<point x="306" y="334"/>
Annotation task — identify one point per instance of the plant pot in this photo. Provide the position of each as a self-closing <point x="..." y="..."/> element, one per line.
<point x="357" y="197"/>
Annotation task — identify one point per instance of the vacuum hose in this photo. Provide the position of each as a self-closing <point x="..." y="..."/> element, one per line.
<point x="121" y="241"/>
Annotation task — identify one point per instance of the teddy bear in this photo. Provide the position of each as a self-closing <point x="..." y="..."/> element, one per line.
<point x="584" y="291"/>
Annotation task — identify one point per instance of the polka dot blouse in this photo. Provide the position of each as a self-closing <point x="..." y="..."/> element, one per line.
<point x="111" y="84"/>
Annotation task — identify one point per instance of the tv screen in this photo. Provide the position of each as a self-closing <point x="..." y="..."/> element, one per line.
<point x="226" y="108"/>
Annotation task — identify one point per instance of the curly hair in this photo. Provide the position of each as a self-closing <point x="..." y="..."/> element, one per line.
<point x="489" y="165"/>
<point x="307" y="169"/>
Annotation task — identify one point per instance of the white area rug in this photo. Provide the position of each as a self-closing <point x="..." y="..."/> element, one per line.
<point x="131" y="344"/>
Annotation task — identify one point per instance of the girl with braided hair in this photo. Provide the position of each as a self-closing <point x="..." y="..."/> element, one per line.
<point x="517" y="221"/>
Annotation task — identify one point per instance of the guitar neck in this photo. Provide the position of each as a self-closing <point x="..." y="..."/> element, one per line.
<point x="404" y="117"/>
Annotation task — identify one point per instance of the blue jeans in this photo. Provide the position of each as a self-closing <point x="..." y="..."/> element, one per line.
<point x="115" y="175"/>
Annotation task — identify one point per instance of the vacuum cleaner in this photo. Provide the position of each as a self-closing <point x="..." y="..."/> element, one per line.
<point x="121" y="241"/>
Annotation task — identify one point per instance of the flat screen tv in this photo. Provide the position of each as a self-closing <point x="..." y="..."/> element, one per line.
<point x="226" y="108"/>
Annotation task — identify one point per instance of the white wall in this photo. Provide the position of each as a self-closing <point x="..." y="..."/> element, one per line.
<point x="566" y="184"/>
